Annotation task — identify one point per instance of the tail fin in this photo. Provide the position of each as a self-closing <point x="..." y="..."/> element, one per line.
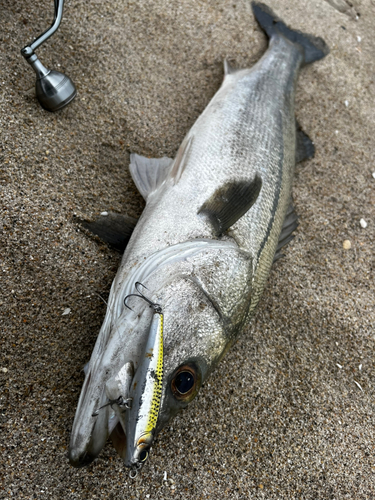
<point x="314" y="48"/>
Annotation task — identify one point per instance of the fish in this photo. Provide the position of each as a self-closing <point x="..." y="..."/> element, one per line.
<point x="196" y="262"/>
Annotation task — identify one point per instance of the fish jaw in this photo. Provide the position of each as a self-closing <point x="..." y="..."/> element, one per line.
<point x="82" y="452"/>
<point x="92" y="426"/>
<point x="118" y="389"/>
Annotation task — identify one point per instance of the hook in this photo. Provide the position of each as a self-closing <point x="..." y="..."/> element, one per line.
<point x="120" y="401"/>
<point x="156" y="307"/>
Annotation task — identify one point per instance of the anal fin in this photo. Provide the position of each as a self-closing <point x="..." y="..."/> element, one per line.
<point x="286" y="235"/>
<point x="113" y="229"/>
<point x="230" y="202"/>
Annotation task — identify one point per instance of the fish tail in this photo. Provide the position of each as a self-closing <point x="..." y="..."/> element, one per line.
<point x="314" y="48"/>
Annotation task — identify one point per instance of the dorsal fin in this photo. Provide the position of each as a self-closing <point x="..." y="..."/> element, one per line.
<point x="228" y="68"/>
<point x="230" y="202"/>
<point x="290" y="224"/>
<point x="148" y="173"/>
<point x="181" y="159"/>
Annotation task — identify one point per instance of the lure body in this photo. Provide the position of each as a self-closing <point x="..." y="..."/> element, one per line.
<point x="145" y="392"/>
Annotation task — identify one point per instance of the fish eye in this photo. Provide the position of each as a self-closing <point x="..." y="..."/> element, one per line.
<point x="143" y="456"/>
<point x="184" y="381"/>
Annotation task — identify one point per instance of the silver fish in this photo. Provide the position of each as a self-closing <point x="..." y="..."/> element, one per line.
<point x="216" y="218"/>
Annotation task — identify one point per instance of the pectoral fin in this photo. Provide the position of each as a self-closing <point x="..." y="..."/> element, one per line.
<point x="113" y="229"/>
<point x="230" y="202"/>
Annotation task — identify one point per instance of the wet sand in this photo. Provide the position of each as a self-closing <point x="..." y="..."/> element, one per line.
<point x="289" y="413"/>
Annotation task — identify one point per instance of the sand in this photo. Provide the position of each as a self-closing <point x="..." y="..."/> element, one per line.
<point x="289" y="413"/>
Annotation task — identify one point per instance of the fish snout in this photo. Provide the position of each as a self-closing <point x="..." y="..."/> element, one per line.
<point x="90" y="432"/>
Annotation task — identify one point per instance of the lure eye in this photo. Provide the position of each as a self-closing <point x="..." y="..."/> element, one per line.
<point x="143" y="456"/>
<point x="184" y="381"/>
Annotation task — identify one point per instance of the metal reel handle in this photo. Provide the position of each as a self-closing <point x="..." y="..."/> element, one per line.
<point x="29" y="49"/>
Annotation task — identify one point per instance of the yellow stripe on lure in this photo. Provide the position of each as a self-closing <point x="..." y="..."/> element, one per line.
<point x="156" y="396"/>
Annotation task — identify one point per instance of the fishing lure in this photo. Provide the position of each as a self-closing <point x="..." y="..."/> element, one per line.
<point x="145" y="392"/>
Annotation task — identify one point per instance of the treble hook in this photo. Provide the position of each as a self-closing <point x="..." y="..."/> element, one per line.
<point x="120" y="401"/>
<point x="156" y="307"/>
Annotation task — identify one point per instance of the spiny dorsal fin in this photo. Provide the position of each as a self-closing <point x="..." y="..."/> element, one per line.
<point x="290" y="224"/>
<point x="148" y="173"/>
<point x="113" y="229"/>
<point x="305" y="148"/>
<point x="228" y="68"/>
<point x="230" y="202"/>
<point x="181" y="159"/>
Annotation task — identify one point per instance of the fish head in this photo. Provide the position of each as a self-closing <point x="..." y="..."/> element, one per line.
<point x="183" y="344"/>
<point x="195" y="339"/>
<point x="204" y="310"/>
<point x="202" y="305"/>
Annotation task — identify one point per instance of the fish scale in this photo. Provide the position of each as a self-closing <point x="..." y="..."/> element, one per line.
<point x="212" y="161"/>
<point x="203" y="247"/>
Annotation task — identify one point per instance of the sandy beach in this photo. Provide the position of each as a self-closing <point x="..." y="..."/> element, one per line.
<point x="289" y="413"/>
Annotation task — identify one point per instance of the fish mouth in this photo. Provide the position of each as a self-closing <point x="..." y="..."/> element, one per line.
<point x="112" y="381"/>
<point x="114" y="431"/>
<point x="104" y="418"/>
<point x="84" y="451"/>
<point x="80" y="460"/>
<point x="119" y="441"/>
